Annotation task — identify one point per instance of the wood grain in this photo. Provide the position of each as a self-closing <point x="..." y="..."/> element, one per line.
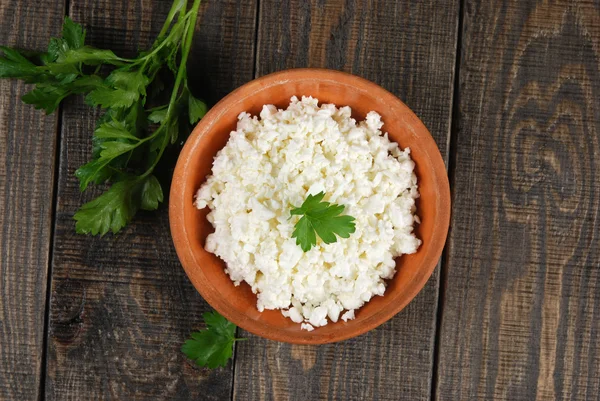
<point x="409" y="48"/>
<point x="522" y="305"/>
<point x="27" y="160"/>
<point x="121" y="305"/>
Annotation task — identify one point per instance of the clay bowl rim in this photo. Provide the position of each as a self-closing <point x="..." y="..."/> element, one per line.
<point x="179" y="228"/>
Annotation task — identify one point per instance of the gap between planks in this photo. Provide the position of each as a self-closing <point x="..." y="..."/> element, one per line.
<point x="57" y="151"/>
<point x="451" y="167"/>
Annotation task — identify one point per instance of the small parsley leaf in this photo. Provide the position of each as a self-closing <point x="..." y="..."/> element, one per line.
<point x="213" y="346"/>
<point x="322" y="219"/>
<point x="158" y="115"/>
<point x="86" y="83"/>
<point x="111" y="211"/>
<point x="56" y="47"/>
<point x="96" y="171"/>
<point x="107" y="97"/>
<point x="114" y="130"/>
<point x="45" y="97"/>
<point x="14" y="65"/>
<point x="112" y="149"/>
<point x="122" y="90"/>
<point x="14" y="55"/>
<point x="130" y="81"/>
<point x="173" y="129"/>
<point x="152" y="194"/>
<point x="88" y="55"/>
<point x="196" y="109"/>
<point x="73" y="34"/>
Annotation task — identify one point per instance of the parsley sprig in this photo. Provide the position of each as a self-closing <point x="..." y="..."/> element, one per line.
<point x="213" y="346"/>
<point x="322" y="219"/>
<point x="132" y="135"/>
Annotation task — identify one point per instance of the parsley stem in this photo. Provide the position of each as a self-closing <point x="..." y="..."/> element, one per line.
<point x="181" y="75"/>
<point x="156" y="49"/>
<point x="160" y="153"/>
<point x="185" y="51"/>
<point x="183" y="9"/>
<point x="165" y="41"/>
<point x="179" y="5"/>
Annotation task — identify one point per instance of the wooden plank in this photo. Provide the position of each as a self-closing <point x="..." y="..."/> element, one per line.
<point x="409" y="48"/>
<point x="27" y="160"/>
<point x="121" y="305"/>
<point x="520" y="317"/>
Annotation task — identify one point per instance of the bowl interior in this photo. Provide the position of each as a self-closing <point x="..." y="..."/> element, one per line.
<point x="190" y="226"/>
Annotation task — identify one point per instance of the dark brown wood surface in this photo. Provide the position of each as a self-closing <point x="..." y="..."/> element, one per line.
<point x="409" y="48"/>
<point x="519" y="292"/>
<point x="121" y="306"/>
<point x="522" y="302"/>
<point x="27" y="165"/>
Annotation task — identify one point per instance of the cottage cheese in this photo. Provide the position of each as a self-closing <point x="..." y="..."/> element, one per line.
<point x="276" y="161"/>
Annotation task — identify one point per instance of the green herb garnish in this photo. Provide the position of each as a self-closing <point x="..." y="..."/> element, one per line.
<point x="137" y="126"/>
<point x="213" y="346"/>
<point x="322" y="219"/>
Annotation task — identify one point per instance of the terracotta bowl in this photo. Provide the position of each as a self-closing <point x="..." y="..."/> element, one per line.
<point x="189" y="226"/>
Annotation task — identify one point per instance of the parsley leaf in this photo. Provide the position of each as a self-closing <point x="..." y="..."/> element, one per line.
<point x="87" y="55"/>
<point x="14" y="65"/>
<point x="158" y="115"/>
<point x="122" y="89"/>
<point x="196" y="109"/>
<point x="130" y="81"/>
<point x="96" y="171"/>
<point x="112" y="149"/>
<point x="45" y="97"/>
<point x="152" y="194"/>
<point x="213" y="346"/>
<point x="107" y="97"/>
<point x="114" y="130"/>
<point x="322" y="219"/>
<point x="73" y="34"/>
<point x="56" y="47"/>
<point x="111" y="211"/>
<point x="86" y="83"/>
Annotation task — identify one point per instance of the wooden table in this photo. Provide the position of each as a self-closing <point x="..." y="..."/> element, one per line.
<point x="509" y="89"/>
